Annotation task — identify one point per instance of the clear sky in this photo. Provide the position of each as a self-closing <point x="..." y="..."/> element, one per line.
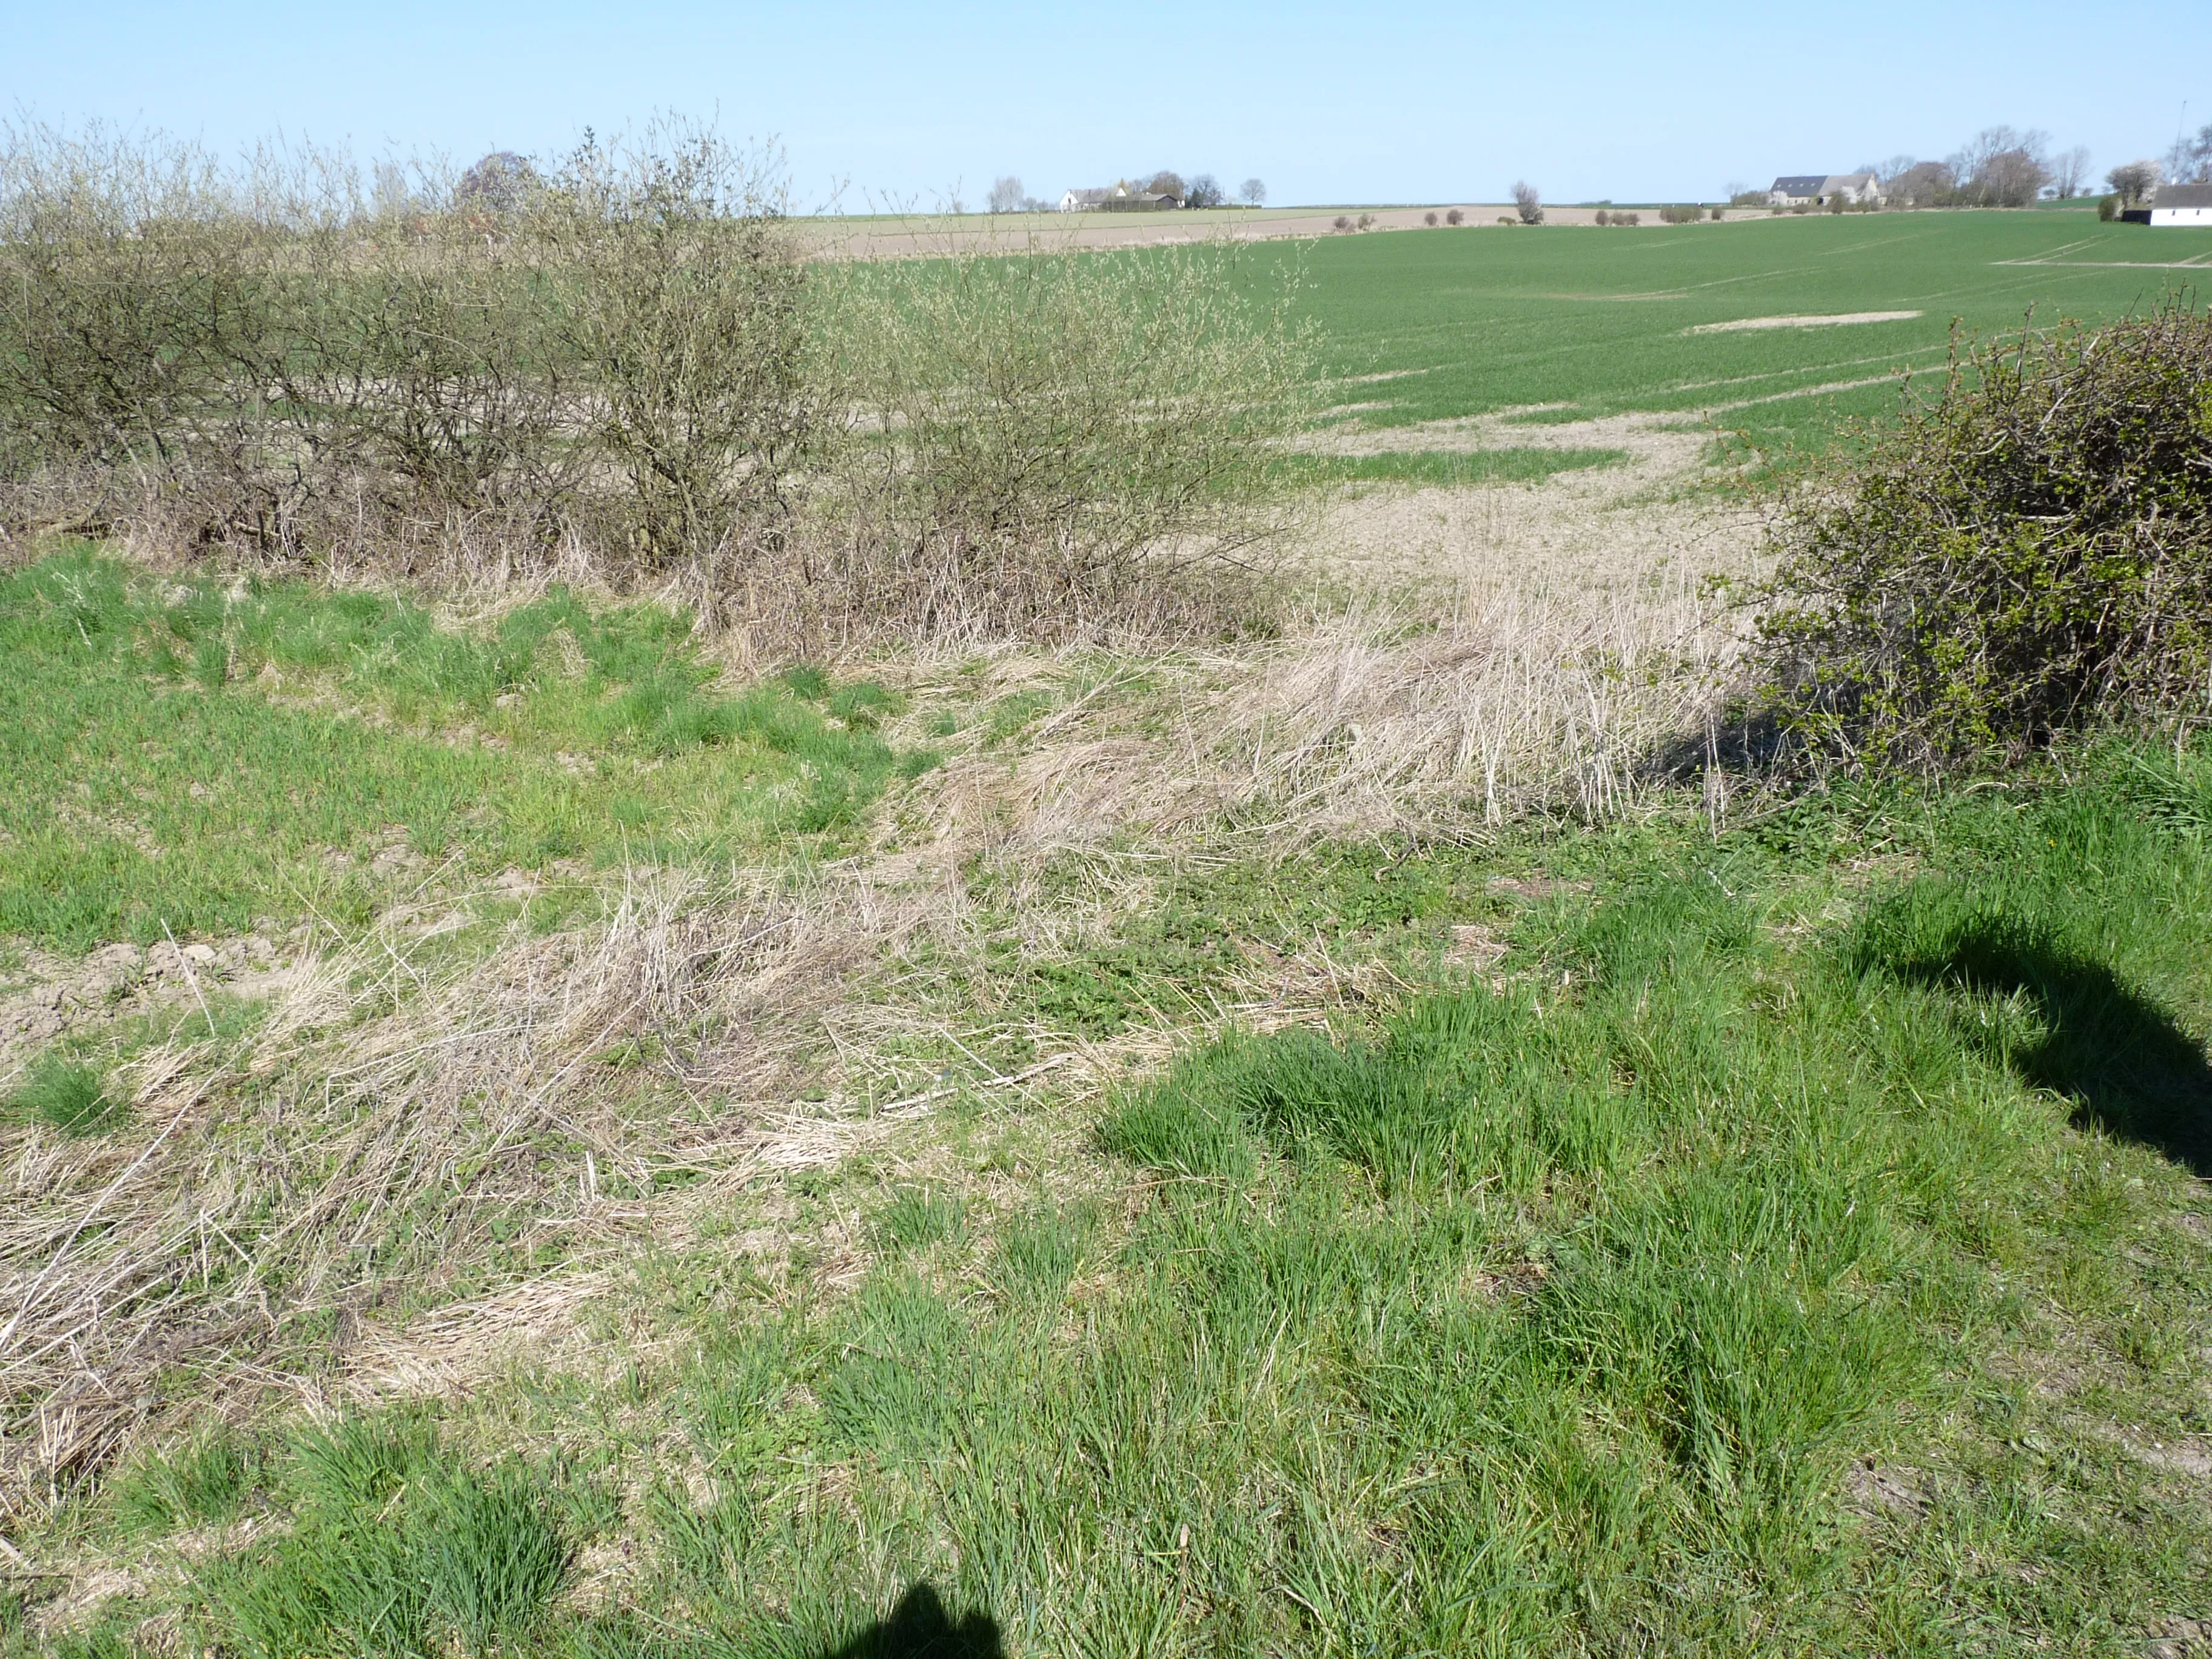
<point x="1398" y="101"/>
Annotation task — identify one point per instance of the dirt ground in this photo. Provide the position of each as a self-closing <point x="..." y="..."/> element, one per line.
<point x="47" y="997"/>
<point x="1598" y="533"/>
<point x="925" y="234"/>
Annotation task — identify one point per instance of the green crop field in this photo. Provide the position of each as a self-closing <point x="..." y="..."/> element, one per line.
<point x="1469" y="321"/>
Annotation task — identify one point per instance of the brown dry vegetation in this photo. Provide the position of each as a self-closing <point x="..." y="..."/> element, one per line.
<point x="541" y="1153"/>
<point x="1520" y="650"/>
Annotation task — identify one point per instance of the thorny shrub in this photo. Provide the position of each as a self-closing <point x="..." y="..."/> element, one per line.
<point x="2028" y="554"/>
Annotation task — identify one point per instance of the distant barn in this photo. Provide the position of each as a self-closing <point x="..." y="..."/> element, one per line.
<point x="2174" y="204"/>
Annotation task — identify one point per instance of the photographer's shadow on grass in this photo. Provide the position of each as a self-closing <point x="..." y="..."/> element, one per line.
<point x="920" y="1627"/>
<point x="2130" y="1068"/>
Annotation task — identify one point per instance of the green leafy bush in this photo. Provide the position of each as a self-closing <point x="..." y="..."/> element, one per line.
<point x="2029" y="553"/>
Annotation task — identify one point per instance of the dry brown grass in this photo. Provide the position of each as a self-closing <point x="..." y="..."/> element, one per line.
<point x="389" y="1120"/>
<point x="428" y="1158"/>
<point x="1517" y="648"/>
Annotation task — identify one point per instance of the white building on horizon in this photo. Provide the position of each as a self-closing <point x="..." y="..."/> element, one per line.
<point x="1823" y="190"/>
<point x="2181" y="204"/>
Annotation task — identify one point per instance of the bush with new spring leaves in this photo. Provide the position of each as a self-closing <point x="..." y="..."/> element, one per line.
<point x="2028" y="555"/>
<point x="626" y="355"/>
<point x="1044" y="433"/>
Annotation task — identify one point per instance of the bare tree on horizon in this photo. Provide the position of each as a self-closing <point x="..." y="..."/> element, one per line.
<point x="2190" y="160"/>
<point x="1254" y="191"/>
<point x="2000" y="167"/>
<point x="2069" y="171"/>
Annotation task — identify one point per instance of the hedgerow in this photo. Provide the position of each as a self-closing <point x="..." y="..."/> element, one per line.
<point x="2026" y="554"/>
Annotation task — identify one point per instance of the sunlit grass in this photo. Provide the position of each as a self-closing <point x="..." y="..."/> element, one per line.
<point x="1560" y="1311"/>
<point x="199" y="753"/>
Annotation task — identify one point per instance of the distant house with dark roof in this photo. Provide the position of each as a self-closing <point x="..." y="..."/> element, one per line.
<point x="1824" y="190"/>
<point x="1130" y="198"/>
<point x="1123" y="198"/>
<point x="2180" y="205"/>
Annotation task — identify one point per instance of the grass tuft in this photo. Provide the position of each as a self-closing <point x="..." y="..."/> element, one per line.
<point x="204" y="1481"/>
<point x="69" y="1096"/>
<point x="919" y="1216"/>
<point x="397" y="1550"/>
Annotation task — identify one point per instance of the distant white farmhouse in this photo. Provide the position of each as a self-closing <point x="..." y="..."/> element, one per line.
<point x="1121" y="197"/>
<point x="2182" y="204"/>
<point x="1823" y="190"/>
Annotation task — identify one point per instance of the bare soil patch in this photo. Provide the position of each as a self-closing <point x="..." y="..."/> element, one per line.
<point x="924" y="235"/>
<point x="1832" y="320"/>
<point x="50" y="996"/>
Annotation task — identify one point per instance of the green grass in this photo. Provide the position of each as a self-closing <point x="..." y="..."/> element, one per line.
<point x="198" y="753"/>
<point x="206" y="1480"/>
<point x="395" y="1548"/>
<point x="1476" y="320"/>
<point x="1797" y="1247"/>
<point x="68" y="1095"/>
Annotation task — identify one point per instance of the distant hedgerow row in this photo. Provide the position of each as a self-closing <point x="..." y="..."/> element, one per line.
<point x="627" y="356"/>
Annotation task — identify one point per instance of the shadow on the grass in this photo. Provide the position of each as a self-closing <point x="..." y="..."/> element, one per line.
<point x="920" y="1628"/>
<point x="2132" y="1070"/>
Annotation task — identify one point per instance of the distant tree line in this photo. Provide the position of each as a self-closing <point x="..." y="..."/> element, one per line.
<point x="2001" y="167"/>
<point x="1998" y="166"/>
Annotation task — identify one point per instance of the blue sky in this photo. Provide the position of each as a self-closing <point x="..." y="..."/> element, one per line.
<point x="1385" y="102"/>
